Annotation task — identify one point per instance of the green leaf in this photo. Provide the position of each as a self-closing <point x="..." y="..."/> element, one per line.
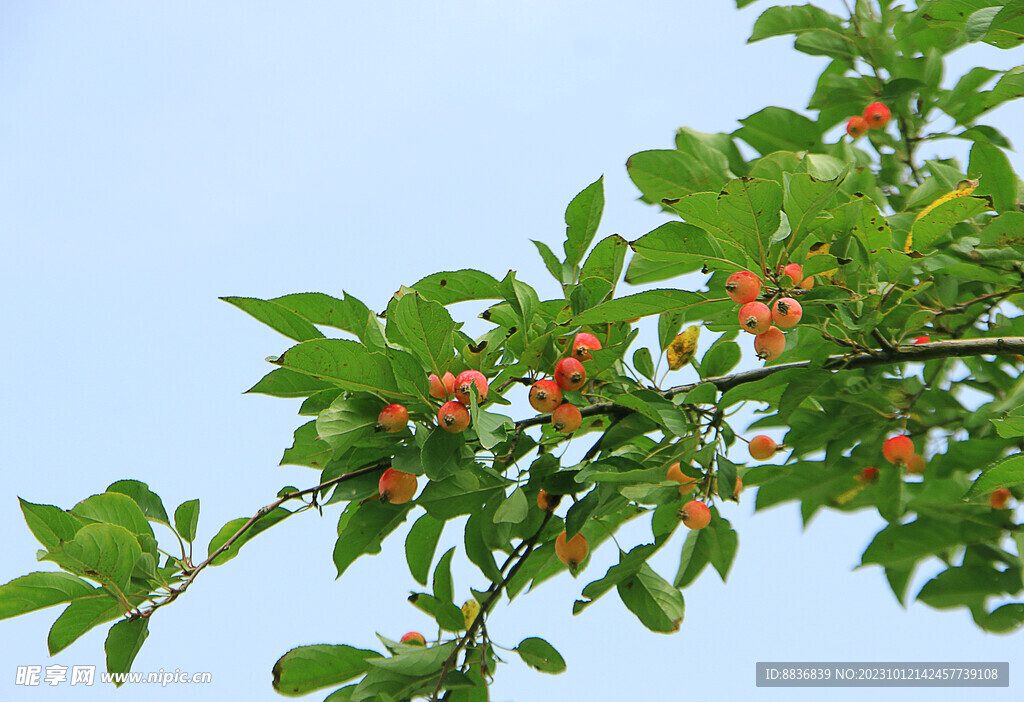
<point x="492" y="428"/>
<point x="440" y="454"/>
<point x="477" y="550"/>
<point x="1006" y="472"/>
<point x="417" y="662"/>
<point x="115" y="508"/>
<point x="966" y="586"/>
<point x="347" y="421"/>
<point x="551" y="261"/>
<point x="606" y="260"/>
<point x="721" y="358"/>
<point x="105" y="553"/>
<point x="540" y="655"/>
<point x="147" y="500"/>
<point x="429" y="330"/>
<point x="231" y="528"/>
<point x="514" y="509"/>
<point x="749" y="209"/>
<point x="1006" y="29"/>
<point x="779" y="129"/>
<point x="901" y="545"/>
<point x="349" y="315"/>
<point x="694" y="557"/>
<point x="282" y="382"/>
<point x="366" y="529"/>
<point x="420" y="545"/>
<point x="124" y="641"/>
<point x="997" y="179"/>
<point x="639" y="305"/>
<point x="643" y="363"/>
<point x="443" y="577"/>
<point x="50" y="525"/>
<point x="347" y="364"/>
<point x="82" y="615"/>
<point x="38" y="590"/>
<point x="448" y="616"/>
<point x="805" y="197"/>
<point x="658" y="605"/>
<point x="582" y="217"/>
<point x="186" y="519"/>
<point x="308" y="449"/>
<point x="463" y="493"/>
<point x="1003" y="620"/>
<point x="277" y="317"/>
<point x="776" y="21"/>
<point x="309" y="668"/>
<point x="936" y="222"/>
<point x="670" y="174"/>
<point x="691" y="247"/>
<point x="448" y="287"/>
<point x="978" y="23"/>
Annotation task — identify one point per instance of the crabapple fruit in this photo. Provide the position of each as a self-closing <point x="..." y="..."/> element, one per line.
<point x="876" y="115"/>
<point x="566" y="418"/>
<point x="686" y="483"/>
<point x="569" y="374"/>
<point x="464" y="380"/>
<point x="393" y="418"/>
<point x="548" y="502"/>
<point x="582" y="344"/>
<point x="573" y="552"/>
<point x="898" y="449"/>
<point x="414" y="638"/>
<point x="545" y="395"/>
<point x="442" y="388"/>
<point x="762" y="447"/>
<point x="453" y="416"/>
<point x="856" y="126"/>
<point x="755" y="317"/>
<point x="786" y="312"/>
<point x="743" y="287"/>
<point x="396" y="487"/>
<point x="770" y="345"/>
<point x="695" y="514"/>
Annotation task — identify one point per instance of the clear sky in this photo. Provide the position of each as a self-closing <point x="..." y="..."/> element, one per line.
<point x="155" y="156"/>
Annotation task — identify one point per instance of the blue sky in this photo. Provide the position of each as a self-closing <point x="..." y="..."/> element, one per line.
<point x="156" y="157"/>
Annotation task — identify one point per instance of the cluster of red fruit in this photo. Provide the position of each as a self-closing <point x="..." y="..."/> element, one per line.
<point x="546" y="395"/>
<point x="876" y="116"/>
<point x="756" y="317"/>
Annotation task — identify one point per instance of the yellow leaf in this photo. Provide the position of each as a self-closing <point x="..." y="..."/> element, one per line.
<point x="963" y="189"/>
<point x="682" y="348"/>
<point x="469" y="611"/>
<point x="821" y="248"/>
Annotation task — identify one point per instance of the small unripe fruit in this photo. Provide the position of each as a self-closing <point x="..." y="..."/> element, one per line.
<point x="1000" y="498"/>
<point x="572" y="553"/>
<point x="695" y="514"/>
<point x="442" y="388"/>
<point x="876" y="115"/>
<point x="393" y="418"/>
<point x="396" y="487"/>
<point x="795" y="272"/>
<point x="868" y="475"/>
<point x="569" y="374"/>
<point x="856" y="126"/>
<point x="467" y="378"/>
<point x="548" y="502"/>
<point x="786" y="312"/>
<point x="566" y="418"/>
<point x="545" y="395"/>
<point x="762" y="447"/>
<point x="898" y="449"/>
<point x="686" y="483"/>
<point x="923" y="339"/>
<point x="581" y="345"/>
<point x="755" y="317"/>
<point x="414" y="638"/>
<point x="453" y="416"/>
<point x="916" y="464"/>
<point x="743" y="287"/>
<point x="770" y="345"/>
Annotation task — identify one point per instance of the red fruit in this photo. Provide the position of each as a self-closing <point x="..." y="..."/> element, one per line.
<point x="566" y="418"/>
<point x="686" y="483"/>
<point x="795" y="272"/>
<point x="569" y="374"/>
<point x="572" y="553"/>
<point x="868" y="475"/>
<point x="807" y="283"/>
<point x="463" y="382"/>
<point x="876" y="115"/>
<point x="916" y="464"/>
<point x="695" y="514"/>
<point x="396" y="487"/>
<point x="442" y="388"/>
<point x="583" y="342"/>
<point x="755" y="317"/>
<point x="1000" y="498"/>
<point x="786" y="312"/>
<point x="923" y="339"/>
<point x="453" y="417"/>
<point x="415" y="638"/>
<point x="856" y="126"/>
<point x="545" y="395"/>
<point x="770" y="345"/>
<point x="762" y="447"/>
<point x="898" y="449"/>
<point x="743" y="287"/>
<point x="547" y="502"/>
<point x="393" y="418"/>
